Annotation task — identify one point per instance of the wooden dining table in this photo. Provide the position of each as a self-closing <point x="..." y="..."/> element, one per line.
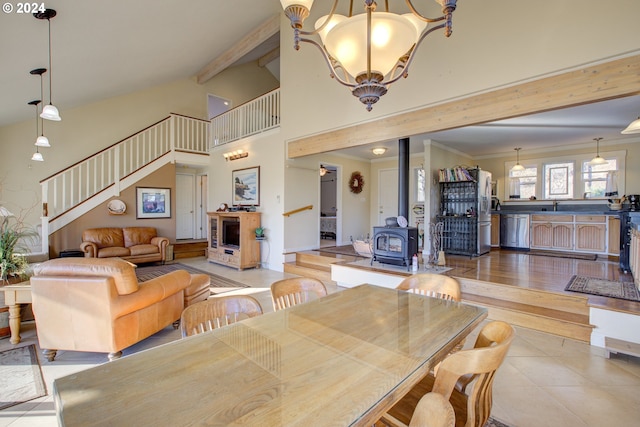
<point x="342" y="360"/>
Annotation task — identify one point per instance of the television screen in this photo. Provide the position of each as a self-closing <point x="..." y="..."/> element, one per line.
<point x="231" y="233"/>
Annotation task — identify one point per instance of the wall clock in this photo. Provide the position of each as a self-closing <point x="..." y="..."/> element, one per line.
<point x="356" y="182"/>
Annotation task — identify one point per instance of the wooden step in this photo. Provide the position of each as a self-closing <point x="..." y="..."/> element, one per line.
<point x="308" y="271"/>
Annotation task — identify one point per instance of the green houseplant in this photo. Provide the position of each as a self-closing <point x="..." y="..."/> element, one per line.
<point x="13" y="234"/>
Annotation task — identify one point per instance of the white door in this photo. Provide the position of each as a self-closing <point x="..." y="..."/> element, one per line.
<point x="185" y="206"/>
<point x="387" y="194"/>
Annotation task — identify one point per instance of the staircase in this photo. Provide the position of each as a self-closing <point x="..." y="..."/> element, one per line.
<point x="554" y="313"/>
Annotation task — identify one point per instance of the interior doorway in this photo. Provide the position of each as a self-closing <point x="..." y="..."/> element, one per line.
<point x="217" y="105"/>
<point x="330" y="224"/>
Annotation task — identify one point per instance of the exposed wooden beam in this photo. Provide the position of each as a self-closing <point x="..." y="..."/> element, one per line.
<point x="609" y="80"/>
<point x="268" y="57"/>
<point x="240" y="49"/>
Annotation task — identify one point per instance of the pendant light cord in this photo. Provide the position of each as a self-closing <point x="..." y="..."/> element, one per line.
<point x="50" y="69"/>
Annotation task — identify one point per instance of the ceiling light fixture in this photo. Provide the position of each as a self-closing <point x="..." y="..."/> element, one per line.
<point x="235" y="155"/>
<point x="634" y="127"/>
<point x="369" y="51"/>
<point x="597" y="160"/>
<point x="517" y="167"/>
<point x="42" y="140"/>
<point x="49" y="112"/>
<point x="36" y="156"/>
<point x="379" y="151"/>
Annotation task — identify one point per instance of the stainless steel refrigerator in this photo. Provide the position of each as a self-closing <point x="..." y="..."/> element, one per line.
<point x="484" y="212"/>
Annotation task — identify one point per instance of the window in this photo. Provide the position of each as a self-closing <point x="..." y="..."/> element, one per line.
<point x="600" y="180"/>
<point x="558" y="180"/>
<point x="523" y="183"/>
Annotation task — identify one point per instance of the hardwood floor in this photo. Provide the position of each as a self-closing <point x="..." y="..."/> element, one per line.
<point x="542" y="273"/>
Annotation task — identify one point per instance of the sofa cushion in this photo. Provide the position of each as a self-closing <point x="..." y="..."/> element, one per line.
<point x="122" y="272"/>
<point x="104" y="237"/>
<point x="143" y="250"/>
<point x="113" y="252"/>
<point x="138" y="236"/>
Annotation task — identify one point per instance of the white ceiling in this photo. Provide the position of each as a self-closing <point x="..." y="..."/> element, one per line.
<point x="104" y="49"/>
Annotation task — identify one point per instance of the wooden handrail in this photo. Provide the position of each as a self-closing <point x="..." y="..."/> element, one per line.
<point x="298" y="210"/>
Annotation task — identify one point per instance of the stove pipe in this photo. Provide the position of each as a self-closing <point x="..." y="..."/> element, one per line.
<point x="403" y="177"/>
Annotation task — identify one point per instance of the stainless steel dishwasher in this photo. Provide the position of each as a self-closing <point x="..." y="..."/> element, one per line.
<point x="514" y="231"/>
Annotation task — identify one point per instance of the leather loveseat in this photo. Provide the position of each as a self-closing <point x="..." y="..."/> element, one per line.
<point x="135" y="244"/>
<point x="97" y="305"/>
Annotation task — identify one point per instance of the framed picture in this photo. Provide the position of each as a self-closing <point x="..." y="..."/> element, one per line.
<point x="246" y="186"/>
<point x="153" y="202"/>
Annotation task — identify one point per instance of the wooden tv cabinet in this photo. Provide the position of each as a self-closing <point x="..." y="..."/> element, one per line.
<point x="241" y="251"/>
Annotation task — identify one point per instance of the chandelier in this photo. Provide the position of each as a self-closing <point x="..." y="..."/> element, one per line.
<point x="368" y="51"/>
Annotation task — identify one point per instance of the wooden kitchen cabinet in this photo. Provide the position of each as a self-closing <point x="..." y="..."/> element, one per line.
<point x="614" y="235"/>
<point x="495" y="230"/>
<point x="552" y="232"/>
<point x="591" y="233"/>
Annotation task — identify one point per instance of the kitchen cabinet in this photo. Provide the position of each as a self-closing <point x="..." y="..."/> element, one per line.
<point x="552" y="232"/>
<point x="614" y="235"/>
<point x="495" y="230"/>
<point x="590" y="233"/>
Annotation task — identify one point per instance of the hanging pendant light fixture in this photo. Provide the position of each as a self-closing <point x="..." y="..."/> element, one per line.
<point x="36" y="156"/>
<point x="42" y="140"/>
<point x="517" y="167"/>
<point x="597" y="160"/>
<point x="369" y="51"/>
<point x="49" y="112"/>
<point x="634" y="127"/>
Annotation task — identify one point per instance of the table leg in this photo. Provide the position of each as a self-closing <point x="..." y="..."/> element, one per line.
<point x="14" y="323"/>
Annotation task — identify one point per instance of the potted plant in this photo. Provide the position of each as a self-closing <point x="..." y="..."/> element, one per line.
<point x="259" y="233"/>
<point x="13" y="234"/>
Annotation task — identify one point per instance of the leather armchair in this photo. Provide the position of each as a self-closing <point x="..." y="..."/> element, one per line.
<point x="97" y="305"/>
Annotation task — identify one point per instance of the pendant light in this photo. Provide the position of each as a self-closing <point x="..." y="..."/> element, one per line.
<point x="634" y="127"/>
<point x="517" y="167"/>
<point x="42" y="140"/>
<point x="49" y="112"/>
<point x="36" y="156"/>
<point x="597" y="160"/>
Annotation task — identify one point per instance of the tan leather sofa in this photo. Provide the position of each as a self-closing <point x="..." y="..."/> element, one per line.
<point x="97" y="305"/>
<point x="135" y="244"/>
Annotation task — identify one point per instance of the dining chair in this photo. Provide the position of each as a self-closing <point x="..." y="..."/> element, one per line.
<point x="217" y="312"/>
<point x="289" y="292"/>
<point x="432" y="410"/>
<point x="433" y="285"/>
<point x="465" y="378"/>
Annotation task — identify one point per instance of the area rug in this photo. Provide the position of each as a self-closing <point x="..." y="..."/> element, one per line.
<point x="494" y="423"/>
<point x="560" y="254"/>
<point x="20" y="376"/>
<point x="602" y="287"/>
<point x="152" y="271"/>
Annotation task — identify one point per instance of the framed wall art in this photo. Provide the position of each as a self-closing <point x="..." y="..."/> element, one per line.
<point x="153" y="202"/>
<point x="246" y="186"/>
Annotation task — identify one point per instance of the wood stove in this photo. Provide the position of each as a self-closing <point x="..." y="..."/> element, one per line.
<point x="394" y="245"/>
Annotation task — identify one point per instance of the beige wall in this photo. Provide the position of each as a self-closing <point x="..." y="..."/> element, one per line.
<point x="87" y="129"/>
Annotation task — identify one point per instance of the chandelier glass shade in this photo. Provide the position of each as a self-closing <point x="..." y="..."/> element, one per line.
<point x="634" y="127"/>
<point x="368" y="51"/>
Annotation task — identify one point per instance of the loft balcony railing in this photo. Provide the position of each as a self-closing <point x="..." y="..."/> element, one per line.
<point x="89" y="182"/>
<point x="250" y="118"/>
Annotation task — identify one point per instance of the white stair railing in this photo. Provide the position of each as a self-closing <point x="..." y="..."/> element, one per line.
<point x="255" y="116"/>
<point x="104" y="174"/>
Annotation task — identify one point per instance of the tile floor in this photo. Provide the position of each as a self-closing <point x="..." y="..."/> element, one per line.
<point x="545" y="380"/>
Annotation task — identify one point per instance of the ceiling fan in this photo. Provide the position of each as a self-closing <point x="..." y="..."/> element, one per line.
<point x="324" y="171"/>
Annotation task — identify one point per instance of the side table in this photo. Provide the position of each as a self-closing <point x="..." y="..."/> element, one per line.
<point x="14" y="296"/>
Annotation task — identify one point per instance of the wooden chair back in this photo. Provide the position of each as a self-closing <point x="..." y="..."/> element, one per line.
<point x="471" y="372"/>
<point x="432" y="410"/>
<point x="433" y="285"/>
<point x="217" y="312"/>
<point x="289" y="292"/>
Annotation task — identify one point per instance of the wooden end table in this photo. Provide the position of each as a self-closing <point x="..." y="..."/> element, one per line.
<point x="14" y="297"/>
